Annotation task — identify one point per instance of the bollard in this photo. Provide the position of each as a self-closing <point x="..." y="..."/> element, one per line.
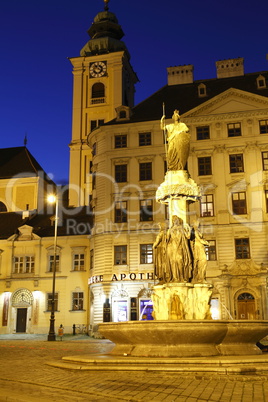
<point x="73" y="329"/>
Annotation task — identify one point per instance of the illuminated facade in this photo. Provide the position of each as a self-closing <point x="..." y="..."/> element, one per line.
<point x="117" y="162"/>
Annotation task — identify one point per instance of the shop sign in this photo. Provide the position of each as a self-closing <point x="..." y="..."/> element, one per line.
<point x="141" y="276"/>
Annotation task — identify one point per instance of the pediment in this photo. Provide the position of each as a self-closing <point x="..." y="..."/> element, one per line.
<point x="230" y="101"/>
<point x="25" y="232"/>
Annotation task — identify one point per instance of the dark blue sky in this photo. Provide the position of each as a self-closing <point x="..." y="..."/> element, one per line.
<point x="38" y="36"/>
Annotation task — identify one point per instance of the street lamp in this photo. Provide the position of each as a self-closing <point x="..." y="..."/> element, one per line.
<point x="53" y="199"/>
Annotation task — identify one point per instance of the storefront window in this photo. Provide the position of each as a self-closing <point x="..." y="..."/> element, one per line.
<point x="120" y="310"/>
<point x="146" y="310"/>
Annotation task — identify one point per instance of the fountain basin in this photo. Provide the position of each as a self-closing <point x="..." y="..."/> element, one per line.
<point x="184" y="338"/>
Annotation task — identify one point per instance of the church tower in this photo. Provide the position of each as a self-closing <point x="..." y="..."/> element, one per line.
<point x="103" y="81"/>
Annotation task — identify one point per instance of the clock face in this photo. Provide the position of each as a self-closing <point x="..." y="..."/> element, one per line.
<point x="97" y="69"/>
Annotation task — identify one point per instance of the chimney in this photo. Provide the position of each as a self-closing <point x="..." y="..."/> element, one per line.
<point x="230" y="68"/>
<point x="180" y="74"/>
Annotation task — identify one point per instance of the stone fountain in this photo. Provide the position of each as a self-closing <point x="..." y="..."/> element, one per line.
<point x="182" y="325"/>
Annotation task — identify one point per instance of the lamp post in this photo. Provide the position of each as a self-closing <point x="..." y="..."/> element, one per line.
<point x="52" y="335"/>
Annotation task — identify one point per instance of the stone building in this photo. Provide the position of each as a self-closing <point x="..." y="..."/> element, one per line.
<point x="126" y="161"/>
<point x="117" y="162"/>
<point x="27" y="225"/>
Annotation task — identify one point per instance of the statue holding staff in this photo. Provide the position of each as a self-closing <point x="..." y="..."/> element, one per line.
<point x="178" y="139"/>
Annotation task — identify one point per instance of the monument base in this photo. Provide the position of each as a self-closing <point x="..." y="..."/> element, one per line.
<point x="182" y="301"/>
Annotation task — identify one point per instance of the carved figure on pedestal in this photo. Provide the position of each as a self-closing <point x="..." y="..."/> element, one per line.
<point x="178" y="139"/>
<point x="179" y="261"/>
<point x="199" y="252"/>
<point x="159" y="253"/>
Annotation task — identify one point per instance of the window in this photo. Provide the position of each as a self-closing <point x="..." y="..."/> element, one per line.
<point x="206" y="205"/>
<point x="242" y="249"/>
<point x="261" y="82"/>
<point x="23" y="265"/>
<point x="120" y="255"/>
<point x="239" y="203"/>
<point x="78" y="301"/>
<point x="146" y="253"/>
<point x="96" y="123"/>
<point x="204" y="166"/>
<point x="236" y="163"/>
<point x="91" y="260"/>
<point x="202" y="133"/>
<point x="97" y="93"/>
<point x="263" y="126"/>
<point x="49" y="301"/>
<point x="234" y="129"/>
<point x="146" y="210"/>
<point x="144" y="139"/>
<point x="122" y="114"/>
<point x="120" y="141"/>
<point x="3" y="208"/>
<point x="264" y="160"/>
<point x="202" y="90"/>
<point x="120" y="173"/>
<point x="145" y="171"/>
<point x="94" y="149"/>
<point x="211" y="250"/>
<point x="51" y="263"/>
<point x="79" y="262"/>
<point x="120" y="211"/>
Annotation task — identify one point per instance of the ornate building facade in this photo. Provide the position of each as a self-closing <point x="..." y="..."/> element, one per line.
<point x="117" y="162"/>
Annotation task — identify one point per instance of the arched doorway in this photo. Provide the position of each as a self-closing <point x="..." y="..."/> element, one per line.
<point x="246" y="307"/>
<point x="22" y="300"/>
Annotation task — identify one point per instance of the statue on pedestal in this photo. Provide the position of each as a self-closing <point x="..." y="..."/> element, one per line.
<point x="178" y="139"/>
<point x="159" y="253"/>
<point x="179" y="259"/>
<point x="199" y="253"/>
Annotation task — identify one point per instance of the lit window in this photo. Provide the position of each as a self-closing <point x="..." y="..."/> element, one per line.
<point x="236" y="163"/>
<point x="120" y="211"/>
<point x="146" y="210"/>
<point x="242" y="249"/>
<point x="211" y="251"/>
<point x="146" y="253"/>
<point x="202" y="133"/>
<point x="234" y="129"/>
<point x="78" y="301"/>
<point x="120" y="255"/>
<point x="239" y="203"/>
<point x="145" y="171"/>
<point x="78" y="262"/>
<point x="206" y="205"/>
<point x="204" y="166"/>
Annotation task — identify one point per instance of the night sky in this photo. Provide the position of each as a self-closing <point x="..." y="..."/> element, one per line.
<point x="37" y="37"/>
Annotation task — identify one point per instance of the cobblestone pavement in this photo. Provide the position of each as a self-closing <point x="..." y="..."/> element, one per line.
<point x="25" y="376"/>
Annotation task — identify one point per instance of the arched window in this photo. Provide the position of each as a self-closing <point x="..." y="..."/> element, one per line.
<point x="3" y="208"/>
<point x="261" y="82"/>
<point x="97" y="93"/>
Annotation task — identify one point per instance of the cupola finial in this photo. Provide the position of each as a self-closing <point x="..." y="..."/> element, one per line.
<point x="106" y="8"/>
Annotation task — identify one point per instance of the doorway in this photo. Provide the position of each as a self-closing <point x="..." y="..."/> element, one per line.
<point x="246" y="307"/>
<point x="21" y="320"/>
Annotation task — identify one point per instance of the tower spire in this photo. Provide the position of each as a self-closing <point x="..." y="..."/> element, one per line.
<point x="106" y="8"/>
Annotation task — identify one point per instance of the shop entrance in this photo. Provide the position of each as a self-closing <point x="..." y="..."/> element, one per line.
<point x="246" y="307"/>
<point x="21" y="320"/>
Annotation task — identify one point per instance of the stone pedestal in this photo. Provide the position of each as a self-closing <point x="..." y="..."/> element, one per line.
<point x="182" y="301"/>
